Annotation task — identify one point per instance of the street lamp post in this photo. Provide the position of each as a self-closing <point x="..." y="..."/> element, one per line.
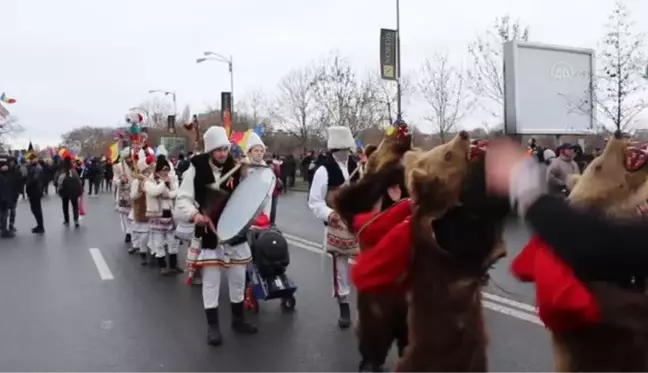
<point x="166" y="93"/>
<point x="399" y="114"/>
<point x="211" y="56"/>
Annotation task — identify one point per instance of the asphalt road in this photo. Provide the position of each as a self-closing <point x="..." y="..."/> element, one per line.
<point x="74" y="300"/>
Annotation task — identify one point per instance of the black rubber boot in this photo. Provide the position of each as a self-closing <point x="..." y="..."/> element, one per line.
<point x="161" y="262"/>
<point x="133" y="250"/>
<point x="214" y="336"/>
<point x="128" y="238"/>
<point x="143" y="258"/>
<point x="345" y="316"/>
<point x="173" y="264"/>
<point x="238" y="320"/>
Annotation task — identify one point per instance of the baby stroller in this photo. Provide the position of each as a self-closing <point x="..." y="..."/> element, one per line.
<point x="266" y="276"/>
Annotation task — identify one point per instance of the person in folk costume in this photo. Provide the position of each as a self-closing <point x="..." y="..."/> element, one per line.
<point x="336" y="170"/>
<point x="160" y="189"/>
<point x="366" y="153"/>
<point x="371" y="208"/>
<point x="255" y="151"/>
<point x="201" y="199"/>
<point x="140" y="221"/>
<point x="122" y="177"/>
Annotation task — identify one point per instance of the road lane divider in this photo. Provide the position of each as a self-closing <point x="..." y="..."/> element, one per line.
<point x="100" y="263"/>
<point x="509" y="307"/>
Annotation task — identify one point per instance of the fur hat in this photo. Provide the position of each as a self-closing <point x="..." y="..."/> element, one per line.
<point x="340" y="138"/>
<point x="161" y="150"/>
<point x="145" y="161"/>
<point x="252" y="141"/>
<point x="215" y="137"/>
<point x="125" y="153"/>
<point x="391" y="149"/>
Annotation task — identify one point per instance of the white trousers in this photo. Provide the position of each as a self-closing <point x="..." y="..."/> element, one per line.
<point x="140" y="241"/>
<point x="158" y="240"/>
<point x="125" y="223"/>
<point x="341" y="283"/>
<point x="211" y="278"/>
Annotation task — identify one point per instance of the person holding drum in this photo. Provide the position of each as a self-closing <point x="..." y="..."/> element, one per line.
<point x="206" y="186"/>
<point x="255" y="151"/>
<point x="336" y="170"/>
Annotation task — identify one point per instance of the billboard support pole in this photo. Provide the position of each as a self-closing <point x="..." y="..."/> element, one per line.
<point x="399" y="114"/>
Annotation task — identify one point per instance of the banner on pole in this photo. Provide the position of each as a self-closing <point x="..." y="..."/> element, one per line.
<point x="388" y="54"/>
<point x="226" y="111"/>
<point x="171" y="123"/>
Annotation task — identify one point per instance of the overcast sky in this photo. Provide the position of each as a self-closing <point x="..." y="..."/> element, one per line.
<point x="72" y="63"/>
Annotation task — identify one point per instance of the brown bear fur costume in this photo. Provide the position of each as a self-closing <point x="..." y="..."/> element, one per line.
<point x="382" y="318"/>
<point x="457" y="236"/>
<point x="620" y="342"/>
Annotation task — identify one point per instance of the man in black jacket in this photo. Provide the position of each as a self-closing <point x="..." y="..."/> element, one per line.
<point x="34" y="189"/>
<point x="8" y="195"/>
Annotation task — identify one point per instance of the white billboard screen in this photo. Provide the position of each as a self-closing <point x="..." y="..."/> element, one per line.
<point x="543" y="86"/>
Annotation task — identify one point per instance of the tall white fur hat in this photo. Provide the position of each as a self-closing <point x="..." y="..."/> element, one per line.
<point x="340" y="138"/>
<point x="215" y="138"/>
<point x="145" y="160"/>
<point x="161" y="150"/>
<point x="252" y="141"/>
<point x="125" y="153"/>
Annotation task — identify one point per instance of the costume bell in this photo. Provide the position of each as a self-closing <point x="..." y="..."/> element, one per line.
<point x="140" y="221"/>
<point x="122" y="177"/>
<point x="160" y="189"/>
<point x="200" y="187"/>
<point x="340" y="243"/>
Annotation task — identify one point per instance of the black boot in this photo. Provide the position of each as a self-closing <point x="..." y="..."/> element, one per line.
<point x="366" y="366"/>
<point x="144" y="259"/>
<point x="173" y="264"/>
<point x="238" y="320"/>
<point x="133" y="250"/>
<point x="128" y="238"/>
<point x="164" y="271"/>
<point x="214" y="336"/>
<point x="345" y="316"/>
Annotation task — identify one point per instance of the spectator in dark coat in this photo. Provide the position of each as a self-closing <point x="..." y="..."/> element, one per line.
<point x="34" y="190"/>
<point x="305" y="165"/>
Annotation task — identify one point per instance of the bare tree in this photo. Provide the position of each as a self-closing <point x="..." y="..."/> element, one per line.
<point x="341" y="99"/>
<point x="9" y="127"/>
<point x="387" y="95"/>
<point x="486" y="76"/>
<point x="294" y="110"/>
<point x="619" y="82"/>
<point x="92" y="140"/>
<point x="255" y="105"/>
<point x="157" y="110"/>
<point x="442" y="88"/>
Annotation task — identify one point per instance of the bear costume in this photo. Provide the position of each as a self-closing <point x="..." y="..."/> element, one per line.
<point x="365" y="207"/>
<point x="597" y="324"/>
<point x="442" y="242"/>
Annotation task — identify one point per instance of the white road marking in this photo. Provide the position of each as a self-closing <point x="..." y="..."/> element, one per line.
<point x="102" y="266"/>
<point x="519" y="310"/>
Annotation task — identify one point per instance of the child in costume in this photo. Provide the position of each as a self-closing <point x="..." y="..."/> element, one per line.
<point x="161" y="189"/>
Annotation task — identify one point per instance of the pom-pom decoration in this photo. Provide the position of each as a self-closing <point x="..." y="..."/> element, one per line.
<point x="637" y="155"/>
<point x="401" y="130"/>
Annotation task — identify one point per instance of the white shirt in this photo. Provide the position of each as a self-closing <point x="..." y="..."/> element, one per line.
<point x="319" y="188"/>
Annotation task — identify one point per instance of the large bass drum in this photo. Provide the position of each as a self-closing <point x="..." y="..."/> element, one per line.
<point x="245" y="203"/>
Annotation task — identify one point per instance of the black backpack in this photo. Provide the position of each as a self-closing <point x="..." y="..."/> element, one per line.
<point x="70" y="186"/>
<point x="270" y="252"/>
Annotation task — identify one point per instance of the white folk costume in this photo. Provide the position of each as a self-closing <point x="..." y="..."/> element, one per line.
<point x="140" y="224"/>
<point x="160" y="196"/>
<point x="340" y="243"/>
<point x="122" y="191"/>
<point x="200" y="193"/>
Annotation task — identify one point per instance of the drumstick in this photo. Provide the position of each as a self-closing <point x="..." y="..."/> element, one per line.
<point x="229" y="174"/>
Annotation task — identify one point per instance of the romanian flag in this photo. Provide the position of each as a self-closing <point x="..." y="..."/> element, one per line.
<point x="113" y="151"/>
<point x="6" y="99"/>
<point x="240" y="138"/>
<point x="227" y="122"/>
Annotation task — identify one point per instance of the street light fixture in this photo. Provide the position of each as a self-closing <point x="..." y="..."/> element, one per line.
<point x="212" y="56"/>
<point x="166" y="93"/>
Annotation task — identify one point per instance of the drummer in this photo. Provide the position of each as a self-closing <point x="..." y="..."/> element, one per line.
<point x="337" y="170"/>
<point x="200" y="186"/>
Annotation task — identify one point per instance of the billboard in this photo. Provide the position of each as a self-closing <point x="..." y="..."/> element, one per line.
<point x="543" y="85"/>
<point x="388" y="54"/>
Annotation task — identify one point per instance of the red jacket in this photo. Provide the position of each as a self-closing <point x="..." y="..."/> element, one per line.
<point x="564" y="303"/>
<point x="386" y="248"/>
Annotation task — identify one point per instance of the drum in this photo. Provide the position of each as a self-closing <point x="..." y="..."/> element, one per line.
<point x="245" y="203"/>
